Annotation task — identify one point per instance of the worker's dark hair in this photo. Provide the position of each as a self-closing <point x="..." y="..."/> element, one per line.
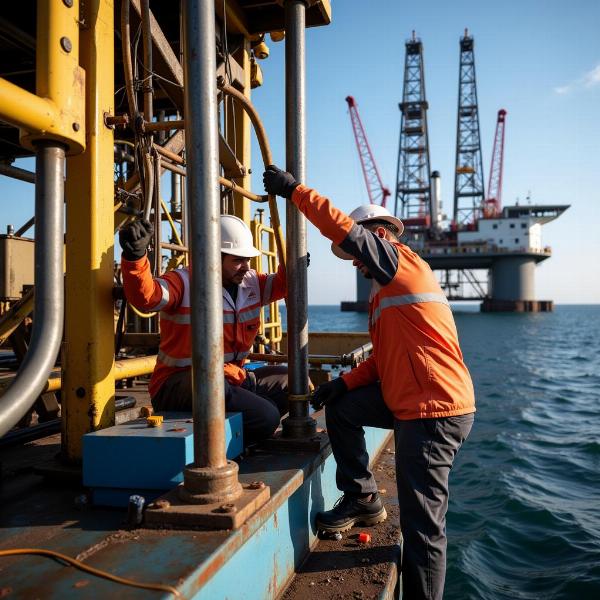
<point x="381" y="223"/>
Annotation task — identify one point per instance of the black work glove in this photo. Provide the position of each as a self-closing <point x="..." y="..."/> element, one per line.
<point x="278" y="182"/>
<point x="134" y="239"/>
<point x="328" y="392"/>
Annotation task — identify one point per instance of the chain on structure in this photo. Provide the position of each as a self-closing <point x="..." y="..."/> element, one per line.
<point x="468" y="178"/>
<point x="413" y="184"/>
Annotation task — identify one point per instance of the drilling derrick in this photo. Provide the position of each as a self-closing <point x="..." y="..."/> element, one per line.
<point x="377" y="192"/>
<point x="413" y="184"/>
<point x="493" y="202"/>
<point x="468" y="178"/>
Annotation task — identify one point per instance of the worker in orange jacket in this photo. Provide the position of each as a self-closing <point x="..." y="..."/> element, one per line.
<point x="415" y="382"/>
<point x="260" y="395"/>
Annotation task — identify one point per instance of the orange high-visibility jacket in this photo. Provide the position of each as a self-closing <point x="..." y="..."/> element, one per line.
<point x="416" y="356"/>
<point x="170" y="294"/>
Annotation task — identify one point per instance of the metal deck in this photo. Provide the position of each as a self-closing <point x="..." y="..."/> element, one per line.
<point x="254" y="562"/>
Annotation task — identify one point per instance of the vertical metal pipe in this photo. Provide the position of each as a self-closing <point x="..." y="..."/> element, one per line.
<point x="157" y="215"/>
<point x="175" y="193"/>
<point x="201" y="136"/>
<point x="147" y="46"/>
<point x="49" y="285"/>
<point x="297" y="305"/>
<point x="175" y="205"/>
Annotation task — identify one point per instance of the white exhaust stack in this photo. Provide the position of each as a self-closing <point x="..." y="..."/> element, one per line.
<point x="436" y="201"/>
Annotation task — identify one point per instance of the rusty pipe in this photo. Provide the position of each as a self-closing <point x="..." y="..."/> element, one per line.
<point x="162" y="125"/>
<point x="147" y="62"/>
<point x="127" y="64"/>
<point x="267" y="157"/>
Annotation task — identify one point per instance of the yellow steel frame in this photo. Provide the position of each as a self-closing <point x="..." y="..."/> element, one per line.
<point x="88" y="354"/>
<point x="238" y="137"/>
<point x="271" y="327"/>
<point x="56" y="110"/>
<point x="13" y="317"/>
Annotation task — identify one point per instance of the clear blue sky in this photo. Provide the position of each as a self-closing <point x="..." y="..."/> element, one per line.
<point x="538" y="59"/>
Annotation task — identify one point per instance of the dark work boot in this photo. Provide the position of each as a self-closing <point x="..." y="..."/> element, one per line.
<point x="350" y="510"/>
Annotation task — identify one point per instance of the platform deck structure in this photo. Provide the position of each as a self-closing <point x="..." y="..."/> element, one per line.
<point x="253" y="562"/>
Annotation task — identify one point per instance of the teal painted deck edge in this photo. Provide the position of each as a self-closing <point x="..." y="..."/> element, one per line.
<point x="278" y="541"/>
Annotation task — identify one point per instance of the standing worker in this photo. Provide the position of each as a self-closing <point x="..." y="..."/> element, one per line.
<point x="415" y="382"/>
<point x="260" y="395"/>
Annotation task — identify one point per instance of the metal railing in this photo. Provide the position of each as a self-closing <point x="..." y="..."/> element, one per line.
<point x="270" y="316"/>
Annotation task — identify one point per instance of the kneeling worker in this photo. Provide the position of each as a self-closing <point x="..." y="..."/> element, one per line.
<point x="260" y="395"/>
<point x="415" y="383"/>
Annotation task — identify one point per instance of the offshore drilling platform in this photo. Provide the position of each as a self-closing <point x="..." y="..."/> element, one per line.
<point x="480" y="234"/>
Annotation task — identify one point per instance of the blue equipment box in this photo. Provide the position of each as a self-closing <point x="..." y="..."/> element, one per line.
<point x="132" y="457"/>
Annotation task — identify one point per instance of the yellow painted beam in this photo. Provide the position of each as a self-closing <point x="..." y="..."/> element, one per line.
<point x="56" y="110"/>
<point x="88" y="354"/>
<point x="238" y="135"/>
<point x="15" y="315"/>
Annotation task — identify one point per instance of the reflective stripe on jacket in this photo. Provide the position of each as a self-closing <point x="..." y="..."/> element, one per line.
<point x="170" y="294"/>
<point x="416" y="354"/>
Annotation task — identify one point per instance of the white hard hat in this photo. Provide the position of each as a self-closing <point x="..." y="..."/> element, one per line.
<point x="236" y="238"/>
<point x="363" y="214"/>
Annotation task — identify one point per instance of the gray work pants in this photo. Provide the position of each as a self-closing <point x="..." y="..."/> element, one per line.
<point x="262" y="399"/>
<point x="425" y="452"/>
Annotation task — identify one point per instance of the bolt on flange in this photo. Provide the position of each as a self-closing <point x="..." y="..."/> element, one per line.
<point x="256" y="485"/>
<point x="226" y="508"/>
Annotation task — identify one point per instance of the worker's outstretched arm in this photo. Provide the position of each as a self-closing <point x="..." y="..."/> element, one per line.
<point x="377" y="254"/>
<point x="141" y="290"/>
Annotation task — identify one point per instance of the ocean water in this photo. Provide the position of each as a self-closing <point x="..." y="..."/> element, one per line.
<point x="524" y="513"/>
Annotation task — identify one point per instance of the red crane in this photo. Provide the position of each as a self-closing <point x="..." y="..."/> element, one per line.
<point x="378" y="192"/>
<point x="493" y="203"/>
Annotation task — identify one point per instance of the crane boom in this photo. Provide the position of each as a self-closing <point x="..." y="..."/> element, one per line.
<point x="378" y="192"/>
<point x="493" y="202"/>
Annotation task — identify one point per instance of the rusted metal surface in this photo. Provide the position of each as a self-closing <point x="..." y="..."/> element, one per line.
<point x="218" y="515"/>
<point x="267" y="157"/>
<point x="166" y="63"/>
<point x="313" y="443"/>
<point x="250" y="562"/>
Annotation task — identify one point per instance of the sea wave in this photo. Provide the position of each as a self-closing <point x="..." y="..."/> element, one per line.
<point x="524" y="513"/>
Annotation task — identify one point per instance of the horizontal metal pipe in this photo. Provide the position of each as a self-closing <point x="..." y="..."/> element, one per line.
<point x="242" y="191"/>
<point x="319" y="359"/>
<point x="222" y="180"/>
<point x="26" y="110"/>
<point x="163" y="125"/>
<point x="173" y="168"/>
<point x="17" y="173"/>
<point x="124" y="369"/>
<point x="176" y="158"/>
<point x="176" y="247"/>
